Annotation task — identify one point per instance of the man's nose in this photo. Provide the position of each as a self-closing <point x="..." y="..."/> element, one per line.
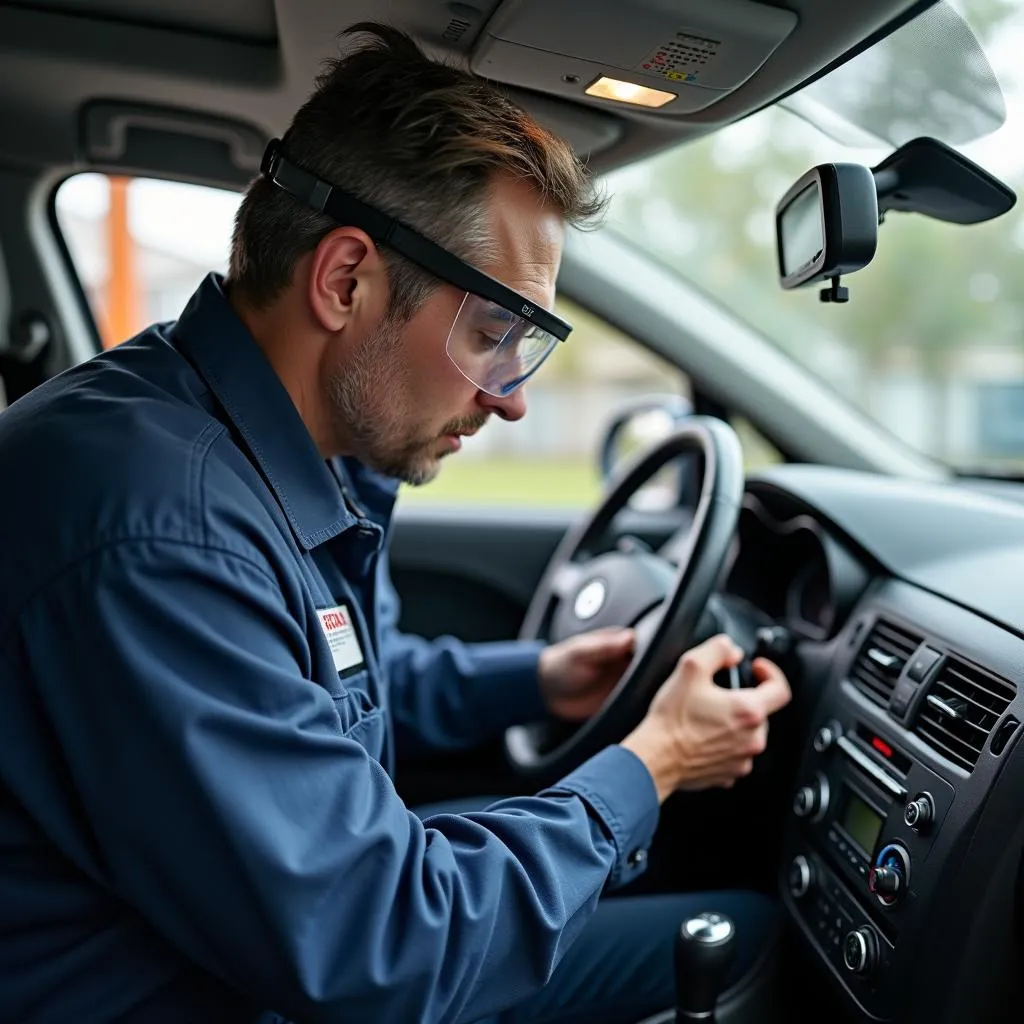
<point x="511" y="407"/>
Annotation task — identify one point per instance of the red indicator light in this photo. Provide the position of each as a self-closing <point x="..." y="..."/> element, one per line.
<point x="882" y="747"/>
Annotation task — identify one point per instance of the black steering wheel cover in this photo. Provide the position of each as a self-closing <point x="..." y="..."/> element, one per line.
<point x="711" y="535"/>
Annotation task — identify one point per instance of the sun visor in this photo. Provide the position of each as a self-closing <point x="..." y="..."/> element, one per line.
<point x="685" y="55"/>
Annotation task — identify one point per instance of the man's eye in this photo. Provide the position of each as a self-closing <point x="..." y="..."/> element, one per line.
<point x="486" y="342"/>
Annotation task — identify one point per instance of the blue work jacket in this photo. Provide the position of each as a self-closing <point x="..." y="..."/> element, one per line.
<point x="202" y="687"/>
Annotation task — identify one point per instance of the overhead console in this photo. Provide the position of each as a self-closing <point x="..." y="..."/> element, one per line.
<point x="895" y="852"/>
<point x="670" y="57"/>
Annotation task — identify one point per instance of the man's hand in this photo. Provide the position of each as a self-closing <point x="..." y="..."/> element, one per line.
<point x="696" y="734"/>
<point x="576" y="675"/>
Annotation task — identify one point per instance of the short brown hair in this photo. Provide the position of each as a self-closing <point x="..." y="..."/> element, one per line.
<point x="420" y="140"/>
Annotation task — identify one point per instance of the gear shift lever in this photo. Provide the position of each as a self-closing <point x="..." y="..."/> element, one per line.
<point x="705" y="947"/>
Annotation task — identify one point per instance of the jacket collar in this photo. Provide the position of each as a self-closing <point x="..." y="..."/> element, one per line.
<point x="375" y="494"/>
<point x="214" y="339"/>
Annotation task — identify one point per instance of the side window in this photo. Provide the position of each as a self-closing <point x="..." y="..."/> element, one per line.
<point x="550" y="458"/>
<point x="141" y="246"/>
<point x="758" y="451"/>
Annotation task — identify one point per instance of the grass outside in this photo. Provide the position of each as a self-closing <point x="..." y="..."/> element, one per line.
<point x="544" y="483"/>
<point x="536" y="483"/>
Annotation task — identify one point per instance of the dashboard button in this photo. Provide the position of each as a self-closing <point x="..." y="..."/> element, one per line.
<point x="886" y="880"/>
<point x="920" y="813"/>
<point x="922" y="663"/>
<point x="811" y="799"/>
<point x="902" y="695"/>
<point x="1003" y="734"/>
<point x="803" y="802"/>
<point x="826" y="736"/>
<point x="860" y="950"/>
<point x="890" y="874"/>
<point x="800" y="876"/>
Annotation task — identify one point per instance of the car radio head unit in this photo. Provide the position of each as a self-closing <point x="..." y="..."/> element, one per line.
<point x="866" y="816"/>
<point x="860" y="822"/>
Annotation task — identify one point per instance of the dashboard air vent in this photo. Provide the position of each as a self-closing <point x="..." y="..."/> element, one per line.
<point x="961" y="710"/>
<point x="881" y="659"/>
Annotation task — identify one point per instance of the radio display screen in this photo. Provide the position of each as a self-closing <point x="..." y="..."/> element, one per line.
<point x="861" y="822"/>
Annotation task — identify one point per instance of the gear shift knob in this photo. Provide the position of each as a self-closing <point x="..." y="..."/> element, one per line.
<point x="705" y="947"/>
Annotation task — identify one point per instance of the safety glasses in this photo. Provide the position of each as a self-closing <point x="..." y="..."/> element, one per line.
<point x="495" y="349"/>
<point x="499" y="338"/>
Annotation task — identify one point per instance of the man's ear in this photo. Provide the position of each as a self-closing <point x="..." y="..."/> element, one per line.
<point x="345" y="275"/>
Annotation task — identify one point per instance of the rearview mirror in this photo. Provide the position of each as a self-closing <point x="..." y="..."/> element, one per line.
<point x="826" y="225"/>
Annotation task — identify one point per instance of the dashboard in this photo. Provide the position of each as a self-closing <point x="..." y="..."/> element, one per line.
<point x="901" y="867"/>
<point x="792" y="569"/>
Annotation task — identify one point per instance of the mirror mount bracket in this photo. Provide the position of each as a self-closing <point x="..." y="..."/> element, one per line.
<point x="927" y="177"/>
<point x="835" y="292"/>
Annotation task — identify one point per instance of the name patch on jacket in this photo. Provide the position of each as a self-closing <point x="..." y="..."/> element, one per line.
<point x="341" y="637"/>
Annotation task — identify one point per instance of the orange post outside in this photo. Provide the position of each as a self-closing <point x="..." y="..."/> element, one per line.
<point x="122" y="318"/>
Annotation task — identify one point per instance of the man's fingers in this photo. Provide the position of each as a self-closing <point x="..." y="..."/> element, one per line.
<point x="609" y="641"/>
<point x="623" y="639"/>
<point x="709" y="657"/>
<point x="757" y="742"/>
<point x="772" y="690"/>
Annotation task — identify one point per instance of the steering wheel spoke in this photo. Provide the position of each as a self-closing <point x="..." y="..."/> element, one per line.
<point x="566" y="579"/>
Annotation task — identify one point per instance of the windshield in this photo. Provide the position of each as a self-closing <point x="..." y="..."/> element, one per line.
<point x="931" y="343"/>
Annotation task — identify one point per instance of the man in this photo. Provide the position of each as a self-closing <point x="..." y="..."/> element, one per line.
<point x="202" y="689"/>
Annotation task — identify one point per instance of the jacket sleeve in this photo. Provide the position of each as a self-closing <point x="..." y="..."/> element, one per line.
<point x="217" y="794"/>
<point x="446" y="694"/>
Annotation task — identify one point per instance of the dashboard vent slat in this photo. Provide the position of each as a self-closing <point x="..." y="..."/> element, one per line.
<point x="961" y="711"/>
<point x="881" y="658"/>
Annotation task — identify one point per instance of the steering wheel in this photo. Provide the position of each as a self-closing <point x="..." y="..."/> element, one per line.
<point x="582" y="590"/>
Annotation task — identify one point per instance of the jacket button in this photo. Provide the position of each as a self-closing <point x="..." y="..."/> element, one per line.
<point x="636" y="858"/>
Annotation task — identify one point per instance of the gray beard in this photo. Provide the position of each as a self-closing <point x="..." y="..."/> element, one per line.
<point x="370" y="399"/>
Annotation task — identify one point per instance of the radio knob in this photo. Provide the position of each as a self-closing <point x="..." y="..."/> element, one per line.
<point x="890" y="875"/>
<point x="920" y="813"/>
<point x="860" y="950"/>
<point x="826" y="736"/>
<point x="811" y="800"/>
<point x="800" y="876"/>
<point x="803" y="802"/>
<point x="885" y="880"/>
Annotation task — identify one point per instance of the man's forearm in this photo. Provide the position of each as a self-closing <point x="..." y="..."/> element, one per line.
<point x="446" y="694"/>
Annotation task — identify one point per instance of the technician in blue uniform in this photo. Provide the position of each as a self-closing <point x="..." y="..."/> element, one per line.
<point x="202" y="684"/>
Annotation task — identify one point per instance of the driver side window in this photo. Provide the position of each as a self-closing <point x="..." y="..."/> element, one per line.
<point x="141" y="246"/>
